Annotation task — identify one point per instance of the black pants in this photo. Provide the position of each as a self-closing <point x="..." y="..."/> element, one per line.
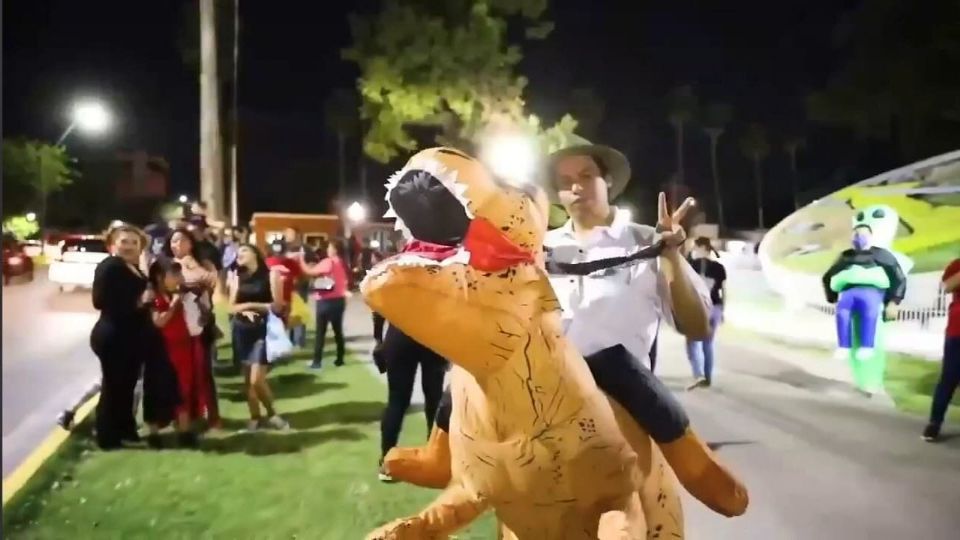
<point x="378" y="321"/>
<point x="948" y="382"/>
<point x="625" y="379"/>
<point x="120" y="365"/>
<point x="210" y="350"/>
<point x="402" y="356"/>
<point x="329" y="312"/>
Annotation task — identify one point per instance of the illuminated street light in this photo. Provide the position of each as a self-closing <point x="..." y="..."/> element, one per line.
<point x="512" y="157"/>
<point x="31" y="216"/>
<point x="91" y="117"/>
<point x="183" y="199"/>
<point x="356" y="212"/>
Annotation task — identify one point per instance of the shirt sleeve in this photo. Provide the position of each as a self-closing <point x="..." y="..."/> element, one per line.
<point x="666" y="300"/>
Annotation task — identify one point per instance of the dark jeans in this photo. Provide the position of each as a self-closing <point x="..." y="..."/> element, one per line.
<point x="378" y="321"/>
<point x="949" y="380"/>
<point x="402" y="356"/>
<point x="329" y="312"/>
<point x="210" y="348"/>
<point x="625" y="379"/>
<point x="115" y="419"/>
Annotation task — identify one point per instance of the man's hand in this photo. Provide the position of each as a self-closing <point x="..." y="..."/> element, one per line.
<point x="890" y="312"/>
<point x="668" y="223"/>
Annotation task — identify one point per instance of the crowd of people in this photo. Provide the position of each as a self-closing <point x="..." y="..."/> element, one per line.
<point x="156" y="336"/>
<point x="155" y="295"/>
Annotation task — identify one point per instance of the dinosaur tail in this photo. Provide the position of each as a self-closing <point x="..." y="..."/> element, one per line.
<point x="698" y="469"/>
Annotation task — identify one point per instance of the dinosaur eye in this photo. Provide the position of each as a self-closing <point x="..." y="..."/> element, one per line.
<point x="452" y="152"/>
<point x="860" y="216"/>
<point x="879" y="213"/>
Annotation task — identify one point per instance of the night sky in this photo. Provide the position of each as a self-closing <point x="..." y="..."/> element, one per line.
<point x="762" y="57"/>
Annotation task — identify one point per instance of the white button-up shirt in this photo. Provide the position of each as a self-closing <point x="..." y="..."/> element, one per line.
<point x="617" y="305"/>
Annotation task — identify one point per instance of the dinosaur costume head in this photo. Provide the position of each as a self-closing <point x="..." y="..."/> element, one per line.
<point x="875" y="226"/>
<point x="470" y="261"/>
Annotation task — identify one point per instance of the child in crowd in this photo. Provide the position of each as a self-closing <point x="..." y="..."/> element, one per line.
<point x="184" y="348"/>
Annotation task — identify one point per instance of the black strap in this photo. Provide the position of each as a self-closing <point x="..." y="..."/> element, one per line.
<point x="585" y="268"/>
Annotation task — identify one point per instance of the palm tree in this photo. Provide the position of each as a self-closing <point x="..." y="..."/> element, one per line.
<point x="682" y="107"/>
<point x="756" y="148"/>
<point x="342" y="115"/>
<point x="792" y="146"/>
<point x="715" y="121"/>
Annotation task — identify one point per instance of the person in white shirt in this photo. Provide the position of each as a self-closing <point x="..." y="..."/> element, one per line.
<point x="612" y="314"/>
<point x="615" y="281"/>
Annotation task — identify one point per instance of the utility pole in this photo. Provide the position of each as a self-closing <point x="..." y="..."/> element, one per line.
<point x="211" y="152"/>
<point x="235" y="135"/>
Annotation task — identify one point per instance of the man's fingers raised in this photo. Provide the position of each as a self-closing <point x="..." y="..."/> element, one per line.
<point x="681" y="212"/>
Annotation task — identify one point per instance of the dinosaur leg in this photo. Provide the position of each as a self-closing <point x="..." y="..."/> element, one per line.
<point x="452" y="510"/>
<point x="698" y="469"/>
<point x="654" y="408"/>
<point x="427" y="466"/>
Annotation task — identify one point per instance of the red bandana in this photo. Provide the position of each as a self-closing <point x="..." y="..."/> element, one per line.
<point x="490" y="249"/>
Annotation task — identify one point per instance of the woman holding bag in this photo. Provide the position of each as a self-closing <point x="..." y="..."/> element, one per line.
<point x="330" y="287"/>
<point x="252" y="292"/>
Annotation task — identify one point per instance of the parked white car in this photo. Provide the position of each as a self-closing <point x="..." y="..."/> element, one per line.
<point x="75" y="265"/>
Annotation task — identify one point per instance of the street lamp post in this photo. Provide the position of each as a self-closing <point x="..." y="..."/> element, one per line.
<point x="88" y="116"/>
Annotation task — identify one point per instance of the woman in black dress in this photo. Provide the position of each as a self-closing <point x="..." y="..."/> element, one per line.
<point x="253" y="289"/>
<point x="122" y="334"/>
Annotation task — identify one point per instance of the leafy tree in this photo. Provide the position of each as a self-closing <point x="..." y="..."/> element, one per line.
<point x="682" y="106"/>
<point x="443" y="65"/>
<point x="792" y="146"/>
<point x="716" y="117"/>
<point x="20" y="227"/>
<point x="32" y="171"/>
<point x="756" y="148"/>
<point x="341" y="112"/>
<point x="901" y="77"/>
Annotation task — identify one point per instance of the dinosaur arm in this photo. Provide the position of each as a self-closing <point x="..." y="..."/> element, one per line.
<point x="453" y="509"/>
<point x="898" y="281"/>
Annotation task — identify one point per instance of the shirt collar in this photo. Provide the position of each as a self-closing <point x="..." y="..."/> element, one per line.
<point x="615" y="230"/>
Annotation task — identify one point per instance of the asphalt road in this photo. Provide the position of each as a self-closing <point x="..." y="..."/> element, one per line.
<point x="47" y="361"/>
<point x="819" y="461"/>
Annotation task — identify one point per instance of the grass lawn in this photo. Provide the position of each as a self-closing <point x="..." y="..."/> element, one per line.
<point x="908" y="380"/>
<point x="316" y="481"/>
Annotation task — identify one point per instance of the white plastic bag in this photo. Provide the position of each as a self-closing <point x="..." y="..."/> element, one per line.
<point x="192" y="313"/>
<point x="278" y="341"/>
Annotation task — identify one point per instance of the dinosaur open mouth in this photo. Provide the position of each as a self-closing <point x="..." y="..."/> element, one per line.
<point x="431" y="211"/>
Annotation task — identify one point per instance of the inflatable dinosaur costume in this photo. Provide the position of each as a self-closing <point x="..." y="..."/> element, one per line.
<point x="530" y="435"/>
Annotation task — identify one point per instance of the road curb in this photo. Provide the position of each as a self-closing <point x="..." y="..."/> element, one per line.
<point x="15" y="481"/>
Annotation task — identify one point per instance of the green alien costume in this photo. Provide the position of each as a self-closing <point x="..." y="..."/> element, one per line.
<point x="862" y="282"/>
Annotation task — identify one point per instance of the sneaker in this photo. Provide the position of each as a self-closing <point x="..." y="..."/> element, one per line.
<point x="154" y="441"/>
<point x="382" y="474"/>
<point x="698" y="383"/>
<point x="276" y="422"/>
<point x="931" y="433"/>
<point x="65" y="420"/>
<point x="252" y="425"/>
<point x="339" y="362"/>
<point x="315" y="366"/>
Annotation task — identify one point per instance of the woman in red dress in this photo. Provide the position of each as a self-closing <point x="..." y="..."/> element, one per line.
<point x="185" y="351"/>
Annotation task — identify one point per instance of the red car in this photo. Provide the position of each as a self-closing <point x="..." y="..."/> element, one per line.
<point x="16" y="263"/>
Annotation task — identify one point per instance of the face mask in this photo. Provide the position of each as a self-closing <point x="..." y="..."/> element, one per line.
<point x="861" y="241"/>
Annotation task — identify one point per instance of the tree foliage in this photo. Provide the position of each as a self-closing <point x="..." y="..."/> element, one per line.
<point x="902" y="76"/>
<point x="20" y="227"/>
<point x="32" y="170"/>
<point x="445" y="65"/>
